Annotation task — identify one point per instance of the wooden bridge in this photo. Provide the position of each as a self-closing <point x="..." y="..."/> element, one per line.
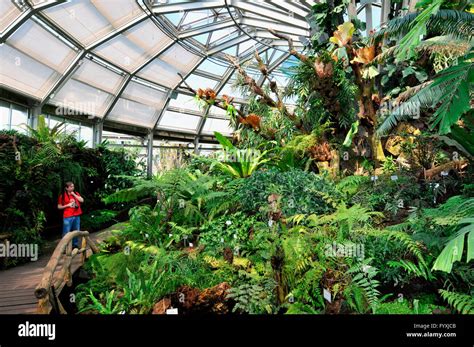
<point x="34" y="287"/>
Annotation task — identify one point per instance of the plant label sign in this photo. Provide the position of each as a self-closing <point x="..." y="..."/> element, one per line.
<point x="327" y="295"/>
<point x="172" y="311"/>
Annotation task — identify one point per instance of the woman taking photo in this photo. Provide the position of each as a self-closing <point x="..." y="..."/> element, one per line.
<point x="70" y="202"/>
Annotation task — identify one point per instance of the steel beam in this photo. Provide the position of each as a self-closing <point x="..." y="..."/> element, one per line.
<point x="25" y="16"/>
<point x="207" y="28"/>
<point x="187" y="6"/>
<point x="261" y="11"/>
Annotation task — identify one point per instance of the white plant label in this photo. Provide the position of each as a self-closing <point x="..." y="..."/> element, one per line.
<point x="172" y="311"/>
<point x="327" y="295"/>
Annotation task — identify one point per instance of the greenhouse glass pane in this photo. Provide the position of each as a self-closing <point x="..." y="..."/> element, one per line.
<point x="196" y="81"/>
<point x="185" y="102"/>
<point x="164" y="69"/>
<point x="81" y="19"/>
<point x="180" y="58"/>
<point x="212" y="67"/>
<point x="175" y="18"/>
<point x="118" y="12"/>
<point x="98" y="76"/>
<point x="174" y="120"/>
<point x="195" y="18"/>
<point x="81" y="98"/>
<point x="202" y="38"/>
<point x="87" y="134"/>
<point x="39" y="44"/>
<point x="72" y="129"/>
<point x="19" y="119"/>
<point x="148" y="37"/>
<point x="53" y="121"/>
<point x="145" y="95"/>
<point x="220" y="125"/>
<point x="20" y="72"/>
<point x="9" y="13"/>
<point x="90" y="21"/>
<point x="4" y="115"/>
<point x="218" y="111"/>
<point x="122" y="52"/>
<point x="161" y="73"/>
<point x="131" y="112"/>
<point x="221" y="33"/>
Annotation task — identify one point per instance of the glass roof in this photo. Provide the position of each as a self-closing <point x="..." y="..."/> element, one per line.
<point x="119" y="60"/>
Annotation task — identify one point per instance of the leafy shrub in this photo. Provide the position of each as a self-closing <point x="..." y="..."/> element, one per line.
<point x="389" y="195"/>
<point x="253" y="298"/>
<point x="140" y="277"/>
<point x="405" y="307"/>
<point x="302" y="192"/>
<point x="228" y="231"/>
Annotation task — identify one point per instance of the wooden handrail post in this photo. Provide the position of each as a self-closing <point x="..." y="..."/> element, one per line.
<point x="63" y="250"/>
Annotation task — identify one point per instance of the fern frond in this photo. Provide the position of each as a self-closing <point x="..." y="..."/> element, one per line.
<point x="461" y="302"/>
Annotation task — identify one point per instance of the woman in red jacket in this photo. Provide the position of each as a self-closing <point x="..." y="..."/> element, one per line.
<point x="70" y="202"/>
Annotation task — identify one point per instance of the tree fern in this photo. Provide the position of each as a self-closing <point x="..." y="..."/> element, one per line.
<point x="461" y="302"/>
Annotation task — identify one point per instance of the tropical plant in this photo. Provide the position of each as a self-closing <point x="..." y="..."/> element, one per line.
<point x="238" y="163"/>
<point x="111" y="305"/>
<point x="453" y="251"/>
<point x="252" y="298"/>
<point x="364" y="278"/>
<point x="461" y="302"/>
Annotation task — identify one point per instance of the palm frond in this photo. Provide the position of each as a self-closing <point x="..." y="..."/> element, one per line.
<point x="444" y="22"/>
<point x="444" y="44"/>
<point x="449" y="90"/>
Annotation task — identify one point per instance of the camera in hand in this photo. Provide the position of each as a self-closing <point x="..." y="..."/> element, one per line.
<point x="74" y="204"/>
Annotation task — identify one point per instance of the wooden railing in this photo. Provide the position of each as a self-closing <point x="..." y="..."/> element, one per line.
<point x="48" y="291"/>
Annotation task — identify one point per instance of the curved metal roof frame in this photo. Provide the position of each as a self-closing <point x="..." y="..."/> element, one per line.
<point x="249" y="19"/>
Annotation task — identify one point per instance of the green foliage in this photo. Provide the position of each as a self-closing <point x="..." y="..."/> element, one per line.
<point x="461" y="302"/>
<point x="384" y="192"/>
<point x="228" y="231"/>
<point x="453" y="251"/>
<point x="449" y="92"/>
<point x="346" y="218"/>
<point x="110" y="306"/>
<point x="97" y="219"/>
<point x="34" y="169"/>
<point x="301" y="192"/>
<point x="139" y="278"/>
<point x="432" y="21"/>
<point x="253" y="298"/>
<point x="238" y="163"/>
<point x="364" y="278"/>
<point x="404" y="307"/>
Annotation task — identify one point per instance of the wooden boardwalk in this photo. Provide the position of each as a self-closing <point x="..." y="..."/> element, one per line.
<point x="17" y="285"/>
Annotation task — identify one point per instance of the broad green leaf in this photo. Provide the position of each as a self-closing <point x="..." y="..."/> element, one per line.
<point x="224" y="141"/>
<point x="350" y="135"/>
